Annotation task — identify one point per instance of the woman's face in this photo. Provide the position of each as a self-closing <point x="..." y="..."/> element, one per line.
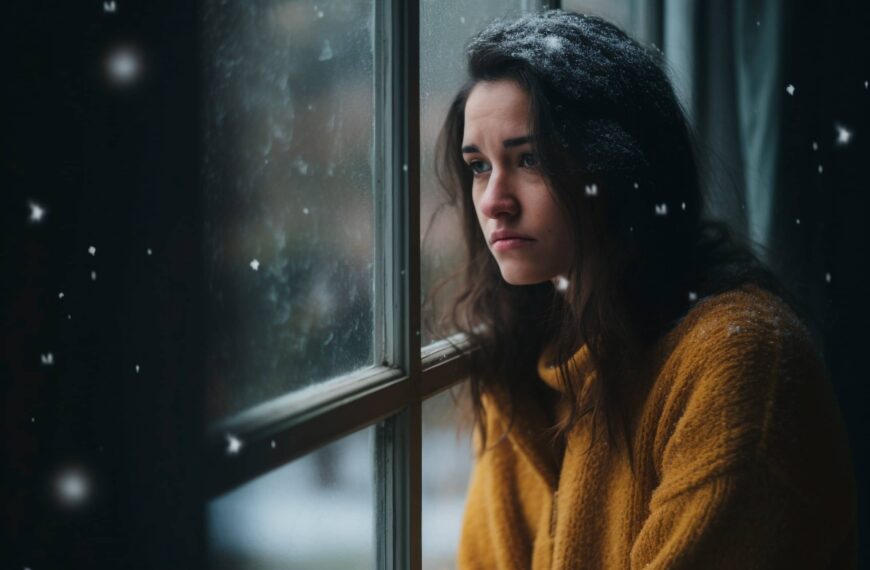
<point x="527" y="232"/>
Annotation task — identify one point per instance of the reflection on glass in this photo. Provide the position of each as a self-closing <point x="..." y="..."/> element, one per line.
<point x="447" y="461"/>
<point x="316" y="512"/>
<point x="288" y="147"/>
<point x="445" y="28"/>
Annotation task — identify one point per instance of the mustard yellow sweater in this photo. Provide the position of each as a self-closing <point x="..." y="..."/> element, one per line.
<point x="739" y="451"/>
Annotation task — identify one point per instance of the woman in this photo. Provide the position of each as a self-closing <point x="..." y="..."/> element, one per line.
<point x="645" y="397"/>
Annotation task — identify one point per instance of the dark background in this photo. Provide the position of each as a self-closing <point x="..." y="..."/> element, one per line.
<point x="118" y="168"/>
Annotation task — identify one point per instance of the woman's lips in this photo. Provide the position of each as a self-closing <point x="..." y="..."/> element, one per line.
<point x="510" y="243"/>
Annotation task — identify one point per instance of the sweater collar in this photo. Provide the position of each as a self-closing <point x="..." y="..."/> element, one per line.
<point x="579" y="365"/>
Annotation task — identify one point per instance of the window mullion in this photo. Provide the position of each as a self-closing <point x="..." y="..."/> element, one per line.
<point x="398" y="439"/>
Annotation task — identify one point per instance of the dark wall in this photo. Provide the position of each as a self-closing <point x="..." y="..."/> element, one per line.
<point x="827" y="59"/>
<point x="114" y="165"/>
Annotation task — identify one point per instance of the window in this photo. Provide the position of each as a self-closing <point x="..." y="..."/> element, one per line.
<point x="326" y="393"/>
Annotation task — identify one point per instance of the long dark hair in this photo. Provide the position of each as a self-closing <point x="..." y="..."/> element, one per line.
<point x="602" y="112"/>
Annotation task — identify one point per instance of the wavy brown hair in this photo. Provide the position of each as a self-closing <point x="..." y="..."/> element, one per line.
<point x="602" y="112"/>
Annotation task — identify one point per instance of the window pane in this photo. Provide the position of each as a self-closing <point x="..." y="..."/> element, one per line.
<point x="445" y="28"/>
<point x="447" y="461"/>
<point x="316" y="512"/>
<point x="289" y="142"/>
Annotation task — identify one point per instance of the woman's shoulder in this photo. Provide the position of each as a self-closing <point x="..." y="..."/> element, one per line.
<point x="743" y="382"/>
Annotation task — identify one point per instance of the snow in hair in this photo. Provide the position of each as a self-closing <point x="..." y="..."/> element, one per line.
<point x="603" y="85"/>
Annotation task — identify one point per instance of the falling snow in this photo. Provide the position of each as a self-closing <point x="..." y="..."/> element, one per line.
<point x="821" y="169"/>
<point x="636" y="185"/>
<point x="92" y="250"/>
<point x="757" y="23"/>
<point x="693" y="296"/>
<point x="305" y="211"/>
<point x="60" y="295"/>
<point x="561" y="283"/>
<point x="683" y="206"/>
<point x="273" y="444"/>
<point x="110" y="7"/>
<point x="93" y="275"/>
<point x="461" y="19"/>
<point x="123" y="66"/>
<point x="37" y="212"/>
<point x="844" y="135"/>
<point x="732" y="329"/>
<point x="815" y="145"/>
<point x="828" y="277"/>
<point x="72" y="487"/>
<point x="798" y="221"/>
<point x="137" y="369"/>
<point x="47" y="359"/>
<point x="326" y="52"/>
<point x="790" y="89"/>
<point x="592" y="190"/>
<point x="661" y="209"/>
<point x="255" y="265"/>
<point x="234" y="444"/>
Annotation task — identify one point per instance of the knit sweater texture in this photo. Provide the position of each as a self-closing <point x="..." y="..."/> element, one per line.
<point x="739" y="460"/>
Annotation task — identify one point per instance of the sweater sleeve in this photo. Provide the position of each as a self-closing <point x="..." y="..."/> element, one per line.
<point x="744" y="519"/>
<point x="754" y="471"/>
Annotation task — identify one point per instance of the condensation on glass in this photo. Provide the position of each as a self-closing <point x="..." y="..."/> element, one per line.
<point x="289" y="143"/>
<point x="445" y="28"/>
<point x="447" y="462"/>
<point x="316" y="512"/>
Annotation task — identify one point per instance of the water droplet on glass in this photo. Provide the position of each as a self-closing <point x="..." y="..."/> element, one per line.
<point x="325" y="52"/>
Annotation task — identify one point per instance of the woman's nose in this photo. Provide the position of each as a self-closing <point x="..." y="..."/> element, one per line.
<point x="498" y="198"/>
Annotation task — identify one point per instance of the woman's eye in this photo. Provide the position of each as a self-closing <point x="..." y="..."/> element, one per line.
<point x="528" y="160"/>
<point x="479" y="167"/>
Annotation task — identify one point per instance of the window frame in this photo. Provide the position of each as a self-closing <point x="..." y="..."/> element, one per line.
<point x="389" y="394"/>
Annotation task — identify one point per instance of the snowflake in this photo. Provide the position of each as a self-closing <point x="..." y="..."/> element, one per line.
<point x="123" y="66"/>
<point x="821" y="169"/>
<point x="661" y="209"/>
<point x="790" y="89"/>
<point x="234" y="444"/>
<point x="306" y="211"/>
<point x="798" y="221"/>
<point x="92" y="250"/>
<point x="683" y="206"/>
<point x="693" y="296"/>
<point x="273" y="444"/>
<point x="93" y="275"/>
<point x="47" y="358"/>
<point x="137" y="369"/>
<point x="325" y="53"/>
<point x="60" y="295"/>
<point x="72" y="487"/>
<point x="148" y="251"/>
<point x="828" y="277"/>
<point x="844" y="135"/>
<point x="110" y="7"/>
<point x="815" y="145"/>
<point x="592" y="190"/>
<point x="561" y="283"/>
<point x="255" y="265"/>
<point x="37" y="212"/>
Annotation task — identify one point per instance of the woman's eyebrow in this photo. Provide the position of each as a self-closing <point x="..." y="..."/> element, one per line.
<point x="508" y="143"/>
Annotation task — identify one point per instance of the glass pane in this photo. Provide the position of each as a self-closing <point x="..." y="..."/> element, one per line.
<point x="445" y="28"/>
<point x="447" y="462"/>
<point x="316" y="512"/>
<point x="289" y="142"/>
